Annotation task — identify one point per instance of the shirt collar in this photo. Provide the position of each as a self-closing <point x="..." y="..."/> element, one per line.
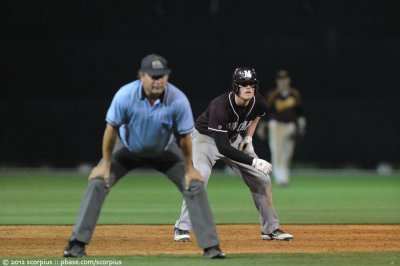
<point x="236" y="108"/>
<point x="143" y="95"/>
<point x="232" y="99"/>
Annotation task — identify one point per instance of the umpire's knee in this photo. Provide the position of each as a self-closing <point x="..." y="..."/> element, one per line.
<point x="98" y="184"/>
<point x="195" y="188"/>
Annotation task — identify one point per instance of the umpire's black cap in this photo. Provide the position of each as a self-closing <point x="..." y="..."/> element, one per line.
<point x="155" y="65"/>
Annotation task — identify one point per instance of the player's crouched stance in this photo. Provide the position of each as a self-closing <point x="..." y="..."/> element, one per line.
<point x="217" y="136"/>
<point x="150" y="110"/>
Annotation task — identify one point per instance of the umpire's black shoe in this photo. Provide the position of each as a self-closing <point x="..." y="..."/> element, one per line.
<point x="213" y="253"/>
<point x="75" y="249"/>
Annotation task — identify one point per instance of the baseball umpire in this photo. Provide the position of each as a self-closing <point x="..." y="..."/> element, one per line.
<point x="217" y="136"/>
<point x="287" y="125"/>
<point x="142" y="120"/>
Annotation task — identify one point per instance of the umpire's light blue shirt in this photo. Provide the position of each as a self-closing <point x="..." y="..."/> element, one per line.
<point x="147" y="129"/>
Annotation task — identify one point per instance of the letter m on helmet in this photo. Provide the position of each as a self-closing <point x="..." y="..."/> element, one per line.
<point x="243" y="74"/>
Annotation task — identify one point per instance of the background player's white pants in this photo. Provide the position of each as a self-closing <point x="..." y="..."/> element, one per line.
<point x="281" y="144"/>
<point x="205" y="154"/>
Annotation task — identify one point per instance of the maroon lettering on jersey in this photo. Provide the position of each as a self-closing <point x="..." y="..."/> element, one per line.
<point x="223" y="115"/>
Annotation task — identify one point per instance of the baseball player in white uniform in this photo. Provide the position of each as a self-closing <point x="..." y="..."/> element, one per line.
<point x="287" y="124"/>
<point x="218" y="136"/>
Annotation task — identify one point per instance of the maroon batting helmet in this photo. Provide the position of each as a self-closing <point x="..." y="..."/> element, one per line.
<point x="244" y="76"/>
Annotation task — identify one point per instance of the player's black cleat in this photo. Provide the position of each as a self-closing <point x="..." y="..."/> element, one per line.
<point x="213" y="253"/>
<point x="75" y="249"/>
<point x="277" y="234"/>
<point x="181" y="235"/>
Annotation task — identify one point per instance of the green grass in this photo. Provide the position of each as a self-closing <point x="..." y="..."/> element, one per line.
<point x="387" y="258"/>
<point x="149" y="198"/>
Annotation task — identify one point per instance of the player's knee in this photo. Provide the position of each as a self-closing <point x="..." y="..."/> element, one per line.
<point x="267" y="181"/>
<point x="203" y="168"/>
<point x="264" y="181"/>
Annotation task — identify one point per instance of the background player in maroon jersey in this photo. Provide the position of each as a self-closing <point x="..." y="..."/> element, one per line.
<point x="218" y="136"/>
<point x="287" y="123"/>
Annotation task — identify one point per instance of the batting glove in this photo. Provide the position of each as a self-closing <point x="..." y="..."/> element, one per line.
<point x="262" y="166"/>
<point x="246" y="146"/>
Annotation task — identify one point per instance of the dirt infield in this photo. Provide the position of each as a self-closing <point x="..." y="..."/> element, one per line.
<point x="146" y="240"/>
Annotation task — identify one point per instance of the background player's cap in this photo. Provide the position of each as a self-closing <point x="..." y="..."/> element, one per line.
<point x="281" y="74"/>
<point x="155" y="65"/>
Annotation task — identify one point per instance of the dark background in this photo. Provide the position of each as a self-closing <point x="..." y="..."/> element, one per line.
<point x="62" y="62"/>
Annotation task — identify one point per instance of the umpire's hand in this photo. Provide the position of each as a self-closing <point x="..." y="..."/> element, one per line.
<point x="191" y="175"/>
<point x="102" y="170"/>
